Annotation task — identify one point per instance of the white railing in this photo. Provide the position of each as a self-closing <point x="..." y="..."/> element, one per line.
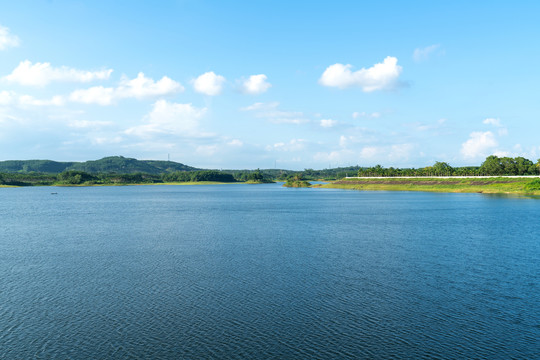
<point x="443" y="177"/>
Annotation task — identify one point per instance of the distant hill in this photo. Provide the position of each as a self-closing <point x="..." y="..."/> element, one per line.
<point x="111" y="164"/>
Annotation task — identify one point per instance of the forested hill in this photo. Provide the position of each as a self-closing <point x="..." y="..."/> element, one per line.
<point x="112" y="164"/>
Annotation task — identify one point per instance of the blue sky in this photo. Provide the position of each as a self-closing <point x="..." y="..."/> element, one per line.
<point x="258" y="84"/>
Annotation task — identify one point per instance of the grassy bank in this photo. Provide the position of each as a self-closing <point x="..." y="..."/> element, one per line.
<point x="495" y="185"/>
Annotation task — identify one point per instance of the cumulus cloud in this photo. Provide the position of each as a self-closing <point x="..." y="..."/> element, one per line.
<point x="209" y="84"/>
<point x="422" y="54"/>
<point x="95" y="95"/>
<point x="41" y="74"/>
<point x="6" y="97"/>
<point x="328" y="123"/>
<point x="479" y="145"/>
<point x="255" y="84"/>
<point x="141" y="87"/>
<point x="85" y="124"/>
<point x="270" y="112"/>
<point x="7" y="39"/>
<point x="170" y="118"/>
<point x="381" y="76"/>
<point x="12" y="98"/>
<point x="291" y="146"/>
<point x="30" y="100"/>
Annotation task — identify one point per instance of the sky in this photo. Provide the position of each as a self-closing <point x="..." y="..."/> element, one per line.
<point x="265" y="84"/>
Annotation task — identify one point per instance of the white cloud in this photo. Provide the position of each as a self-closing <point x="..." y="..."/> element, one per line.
<point x="381" y="76"/>
<point x="41" y="74"/>
<point x="170" y="118"/>
<point x="328" y="123"/>
<point x="374" y="115"/>
<point x="260" y="106"/>
<point x="235" y="142"/>
<point x="85" y="124"/>
<point x="502" y="131"/>
<point x="422" y="54"/>
<point x="6" y="97"/>
<point x="6" y="39"/>
<point x="400" y="151"/>
<point x="293" y="145"/>
<point x="95" y="95"/>
<point x="501" y="153"/>
<point x="369" y="152"/>
<point x="255" y="84"/>
<point x="107" y="140"/>
<point x="141" y="87"/>
<point x="270" y="112"/>
<point x="30" y="100"/>
<point x="479" y="145"/>
<point x="492" y="121"/>
<point x="209" y="84"/>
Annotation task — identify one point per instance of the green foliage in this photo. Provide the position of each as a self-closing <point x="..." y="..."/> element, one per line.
<point x="297" y="183"/>
<point x="111" y="164"/>
<point x="533" y="185"/>
<point x="492" y="166"/>
<point x="255" y="176"/>
<point x="72" y="177"/>
<point x="27" y="166"/>
<point x="197" y="176"/>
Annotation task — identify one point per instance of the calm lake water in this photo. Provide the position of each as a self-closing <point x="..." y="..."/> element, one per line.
<point x="262" y="272"/>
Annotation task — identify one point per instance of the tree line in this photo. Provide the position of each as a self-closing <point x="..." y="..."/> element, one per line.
<point x="492" y="166"/>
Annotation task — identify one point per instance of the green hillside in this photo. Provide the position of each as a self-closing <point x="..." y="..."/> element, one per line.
<point x="111" y="164"/>
<point x="27" y="166"/>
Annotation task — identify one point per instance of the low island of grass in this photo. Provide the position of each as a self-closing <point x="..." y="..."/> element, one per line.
<point x="297" y="181"/>
<point x="487" y="185"/>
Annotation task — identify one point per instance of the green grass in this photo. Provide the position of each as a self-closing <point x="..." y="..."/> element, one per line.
<point x="496" y="185"/>
<point x="297" y="184"/>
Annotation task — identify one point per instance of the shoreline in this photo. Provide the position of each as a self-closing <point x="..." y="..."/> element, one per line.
<point x="504" y="185"/>
<point x="515" y="185"/>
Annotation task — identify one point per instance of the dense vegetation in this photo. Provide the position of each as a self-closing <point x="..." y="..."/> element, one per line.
<point x="74" y="177"/>
<point x="297" y="181"/>
<point x="492" y="166"/>
<point x="196" y="176"/>
<point x="491" y="185"/>
<point x="120" y="170"/>
<point x="111" y="164"/>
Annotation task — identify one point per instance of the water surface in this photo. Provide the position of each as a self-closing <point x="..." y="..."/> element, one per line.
<point x="260" y="271"/>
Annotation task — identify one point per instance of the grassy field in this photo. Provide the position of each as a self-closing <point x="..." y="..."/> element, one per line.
<point x="495" y="185"/>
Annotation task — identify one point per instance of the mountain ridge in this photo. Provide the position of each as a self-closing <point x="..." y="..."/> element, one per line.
<point x="109" y="164"/>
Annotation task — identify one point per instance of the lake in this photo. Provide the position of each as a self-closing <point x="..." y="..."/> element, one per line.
<point x="262" y="272"/>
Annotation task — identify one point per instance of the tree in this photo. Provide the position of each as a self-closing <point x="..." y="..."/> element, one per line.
<point x="74" y="177"/>
<point x="492" y="166"/>
<point x="442" y="169"/>
<point x="255" y="175"/>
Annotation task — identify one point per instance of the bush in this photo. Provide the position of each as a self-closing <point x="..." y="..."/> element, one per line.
<point x="533" y="185"/>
